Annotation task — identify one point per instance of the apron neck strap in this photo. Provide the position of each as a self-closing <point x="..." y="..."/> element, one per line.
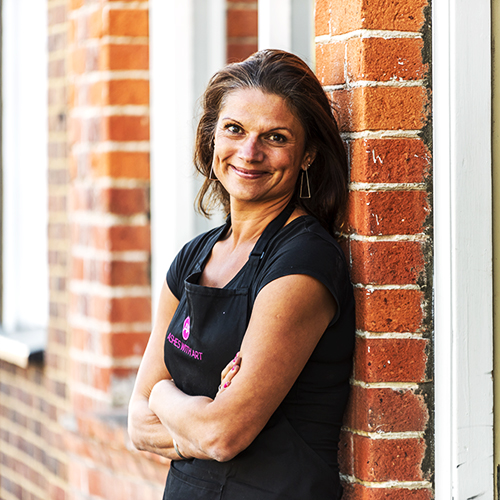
<point x="269" y="232"/>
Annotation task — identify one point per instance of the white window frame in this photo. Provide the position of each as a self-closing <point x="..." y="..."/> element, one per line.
<point x="461" y="69"/>
<point x="188" y="44"/>
<point x="288" y="25"/>
<point x="24" y="169"/>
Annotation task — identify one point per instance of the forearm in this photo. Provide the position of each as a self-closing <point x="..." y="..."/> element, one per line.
<point x="195" y="422"/>
<point x="146" y="431"/>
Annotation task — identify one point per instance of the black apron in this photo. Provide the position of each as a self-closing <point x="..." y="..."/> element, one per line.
<point x="205" y="334"/>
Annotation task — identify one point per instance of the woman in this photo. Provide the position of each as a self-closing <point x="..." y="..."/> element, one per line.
<point x="265" y="299"/>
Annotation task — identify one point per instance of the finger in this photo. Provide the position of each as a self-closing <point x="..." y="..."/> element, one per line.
<point x="226" y="381"/>
<point x="229" y="366"/>
<point x="230" y="375"/>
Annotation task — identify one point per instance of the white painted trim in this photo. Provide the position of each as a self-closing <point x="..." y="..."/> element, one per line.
<point x="25" y="163"/>
<point x="275" y="24"/>
<point x="188" y="44"/>
<point x="463" y="249"/>
<point x="287" y="25"/>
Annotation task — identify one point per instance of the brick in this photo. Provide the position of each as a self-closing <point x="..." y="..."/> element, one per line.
<point x="120" y="164"/>
<point x="382" y="59"/>
<point x="330" y="63"/>
<point x="386" y="262"/>
<point x="114" y="238"/>
<point x="125" y="344"/>
<point x="77" y="61"/>
<point x="57" y="68"/>
<point x="397" y="15"/>
<point x="125" y="128"/>
<point x="120" y="201"/>
<point x="389" y="160"/>
<point x="95" y="24"/>
<point x="114" y="273"/>
<point x="128" y="22"/>
<point x="353" y="491"/>
<point x="382" y="108"/>
<point x="397" y="310"/>
<point x="76" y="4"/>
<point x="334" y="17"/>
<point x="121" y="238"/>
<point x="128" y="309"/>
<point x="123" y="57"/>
<point x="122" y="92"/>
<point x="56" y="15"/>
<point x="382" y="459"/>
<point x="390" y="360"/>
<point x="386" y="410"/>
<point x="242" y="23"/>
<point x="237" y="52"/>
<point x="57" y="42"/>
<point x="125" y="201"/>
<point x="129" y="273"/>
<point x="373" y="213"/>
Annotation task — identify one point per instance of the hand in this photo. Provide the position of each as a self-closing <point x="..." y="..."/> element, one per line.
<point x="228" y="373"/>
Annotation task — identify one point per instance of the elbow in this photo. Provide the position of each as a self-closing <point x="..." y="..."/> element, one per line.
<point x="134" y="431"/>
<point x="224" y="446"/>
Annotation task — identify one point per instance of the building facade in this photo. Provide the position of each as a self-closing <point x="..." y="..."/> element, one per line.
<point x="99" y="109"/>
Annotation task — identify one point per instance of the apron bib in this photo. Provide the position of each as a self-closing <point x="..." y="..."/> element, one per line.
<point x="205" y="334"/>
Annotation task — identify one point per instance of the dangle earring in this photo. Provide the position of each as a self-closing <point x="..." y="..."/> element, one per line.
<point x="305" y="189"/>
<point x="210" y="177"/>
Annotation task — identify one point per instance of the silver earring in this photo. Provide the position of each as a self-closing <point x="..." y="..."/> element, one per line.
<point x="210" y="177"/>
<point x="305" y="189"/>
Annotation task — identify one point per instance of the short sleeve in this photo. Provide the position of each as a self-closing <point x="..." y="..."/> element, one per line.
<point x="311" y="252"/>
<point x="173" y="280"/>
<point x="186" y="260"/>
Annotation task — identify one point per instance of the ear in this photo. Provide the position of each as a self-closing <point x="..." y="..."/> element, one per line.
<point x="309" y="158"/>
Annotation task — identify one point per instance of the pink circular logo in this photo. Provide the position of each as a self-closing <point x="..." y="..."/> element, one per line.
<point x="186" y="328"/>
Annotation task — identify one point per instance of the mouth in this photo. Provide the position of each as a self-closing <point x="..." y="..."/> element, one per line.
<point x="248" y="173"/>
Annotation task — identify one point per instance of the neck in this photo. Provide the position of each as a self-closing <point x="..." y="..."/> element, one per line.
<point x="248" y="220"/>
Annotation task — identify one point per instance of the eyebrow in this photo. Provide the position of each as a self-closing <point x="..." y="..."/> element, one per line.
<point x="228" y="118"/>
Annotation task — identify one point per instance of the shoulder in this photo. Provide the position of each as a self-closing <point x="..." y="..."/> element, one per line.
<point x="187" y="258"/>
<point x="305" y="247"/>
<point x="305" y="241"/>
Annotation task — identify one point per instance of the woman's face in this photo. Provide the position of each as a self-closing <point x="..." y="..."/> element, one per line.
<point x="259" y="147"/>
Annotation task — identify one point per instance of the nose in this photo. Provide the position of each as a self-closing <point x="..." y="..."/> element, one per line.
<point x="250" y="150"/>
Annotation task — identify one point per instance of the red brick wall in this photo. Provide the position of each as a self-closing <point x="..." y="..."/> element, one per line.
<point x="242" y="29"/>
<point x="109" y="199"/>
<point x="371" y="58"/>
<point x="110" y="294"/>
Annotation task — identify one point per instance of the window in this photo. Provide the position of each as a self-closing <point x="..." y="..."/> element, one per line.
<point x="24" y="294"/>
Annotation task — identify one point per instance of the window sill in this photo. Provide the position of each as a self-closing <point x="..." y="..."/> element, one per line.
<point x="22" y="346"/>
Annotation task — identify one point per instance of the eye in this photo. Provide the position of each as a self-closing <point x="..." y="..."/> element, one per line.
<point x="277" y="138"/>
<point x="233" y="128"/>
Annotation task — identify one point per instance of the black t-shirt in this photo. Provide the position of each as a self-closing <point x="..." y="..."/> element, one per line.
<point x="316" y="403"/>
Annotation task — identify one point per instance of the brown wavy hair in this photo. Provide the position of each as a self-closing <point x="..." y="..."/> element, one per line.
<point x="286" y="75"/>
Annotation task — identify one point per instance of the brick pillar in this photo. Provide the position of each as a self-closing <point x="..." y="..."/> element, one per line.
<point x="371" y="58"/>
<point x="242" y="29"/>
<point x="110" y="311"/>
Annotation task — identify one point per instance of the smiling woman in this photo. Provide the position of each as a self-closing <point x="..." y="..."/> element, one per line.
<point x="246" y="375"/>
<point x="259" y="148"/>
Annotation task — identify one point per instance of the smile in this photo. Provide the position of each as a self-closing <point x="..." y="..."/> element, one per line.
<point x="248" y="174"/>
